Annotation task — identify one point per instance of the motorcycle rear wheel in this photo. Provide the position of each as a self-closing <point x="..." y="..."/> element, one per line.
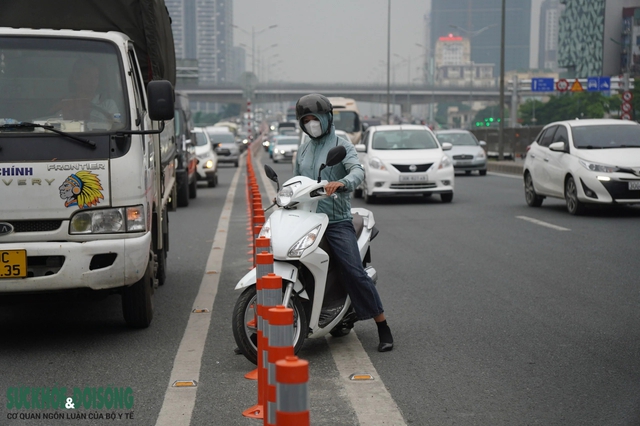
<point x="245" y="332"/>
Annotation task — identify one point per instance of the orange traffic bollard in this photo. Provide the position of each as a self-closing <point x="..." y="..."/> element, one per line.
<point x="292" y="392"/>
<point x="280" y="338"/>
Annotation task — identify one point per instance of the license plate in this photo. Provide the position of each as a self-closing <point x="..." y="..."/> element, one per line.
<point x="13" y="263"/>
<point x="413" y="178"/>
<point x="463" y="163"/>
<point x="634" y="185"/>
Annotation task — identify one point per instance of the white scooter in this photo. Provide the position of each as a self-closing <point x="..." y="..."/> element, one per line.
<point x="310" y="282"/>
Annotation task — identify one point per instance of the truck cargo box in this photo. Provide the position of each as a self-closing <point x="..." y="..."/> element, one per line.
<point x="146" y="22"/>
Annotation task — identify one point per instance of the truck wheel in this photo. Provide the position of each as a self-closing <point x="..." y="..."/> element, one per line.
<point x="137" y="301"/>
<point x="183" y="193"/>
<point x="245" y="331"/>
<point x="193" y="189"/>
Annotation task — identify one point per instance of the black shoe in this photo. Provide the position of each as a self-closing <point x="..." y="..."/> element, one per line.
<point x="328" y="315"/>
<point x="385" y="347"/>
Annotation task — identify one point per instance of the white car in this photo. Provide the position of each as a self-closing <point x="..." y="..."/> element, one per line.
<point x="207" y="158"/>
<point x="594" y="161"/>
<point x="284" y="147"/>
<point x="404" y="160"/>
<point x="467" y="153"/>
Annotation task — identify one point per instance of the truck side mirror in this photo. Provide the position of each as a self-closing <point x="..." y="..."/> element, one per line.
<point x="161" y="100"/>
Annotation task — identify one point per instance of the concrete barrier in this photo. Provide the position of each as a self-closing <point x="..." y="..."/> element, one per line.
<point x="506" y="167"/>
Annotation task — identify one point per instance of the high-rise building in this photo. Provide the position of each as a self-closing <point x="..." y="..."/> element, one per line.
<point x="479" y="20"/>
<point x="548" y="37"/>
<point x="202" y="30"/>
<point x="591" y="36"/>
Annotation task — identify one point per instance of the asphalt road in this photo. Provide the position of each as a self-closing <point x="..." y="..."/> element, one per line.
<point x="502" y="315"/>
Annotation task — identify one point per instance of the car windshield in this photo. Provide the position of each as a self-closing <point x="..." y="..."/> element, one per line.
<point x="222" y="137"/>
<point x="403" y="139"/>
<point x="74" y="85"/>
<point x="457" y="139"/>
<point x="606" y="136"/>
<point x="201" y="139"/>
<point x="287" y="141"/>
<point x="345" y="120"/>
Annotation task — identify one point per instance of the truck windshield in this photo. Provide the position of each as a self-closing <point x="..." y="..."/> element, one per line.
<point x="73" y="85"/>
<point x="345" y="120"/>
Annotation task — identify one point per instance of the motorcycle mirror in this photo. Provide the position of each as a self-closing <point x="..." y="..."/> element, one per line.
<point x="336" y="155"/>
<point x="271" y="174"/>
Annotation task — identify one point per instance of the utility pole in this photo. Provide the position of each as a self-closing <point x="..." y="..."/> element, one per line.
<point x="388" y="60"/>
<point x="501" y="124"/>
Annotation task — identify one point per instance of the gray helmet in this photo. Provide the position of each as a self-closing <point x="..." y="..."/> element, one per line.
<point x="314" y="103"/>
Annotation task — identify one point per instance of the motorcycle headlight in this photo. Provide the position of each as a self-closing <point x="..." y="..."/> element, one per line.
<point x="266" y="229"/>
<point x="444" y="162"/>
<point x="284" y="196"/>
<point x="376" y="163"/>
<point x="304" y="243"/>
<point x="595" y="167"/>
<point x="108" y="221"/>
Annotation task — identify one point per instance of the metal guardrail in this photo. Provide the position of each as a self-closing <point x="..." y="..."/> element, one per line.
<point x="516" y="139"/>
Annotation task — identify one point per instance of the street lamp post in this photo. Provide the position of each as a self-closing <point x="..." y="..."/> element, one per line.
<point x="388" y="60"/>
<point x="501" y="124"/>
<point x="253" y="35"/>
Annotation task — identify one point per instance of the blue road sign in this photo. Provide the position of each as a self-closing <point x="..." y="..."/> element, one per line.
<point x="597" y="84"/>
<point x="542" y="85"/>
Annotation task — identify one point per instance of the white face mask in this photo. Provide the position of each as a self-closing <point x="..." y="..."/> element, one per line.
<point x="314" y="128"/>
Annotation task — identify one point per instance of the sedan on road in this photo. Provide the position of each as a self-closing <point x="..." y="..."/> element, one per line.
<point x="207" y="168"/>
<point x="284" y="147"/>
<point x="467" y="153"/>
<point x="584" y="162"/>
<point x="404" y="160"/>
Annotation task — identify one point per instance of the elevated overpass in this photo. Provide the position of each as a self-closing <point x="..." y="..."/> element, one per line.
<point x="403" y="95"/>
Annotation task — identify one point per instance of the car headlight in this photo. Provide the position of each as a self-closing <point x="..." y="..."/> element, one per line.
<point x="595" y="167"/>
<point x="282" y="151"/>
<point x="444" y="162"/>
<point x="265" y="143"/>
<point x="376" y="163"/>
<point x="266" y="229"/>
<point x="304" y="243"/>
<point x="208" y="164"/>
<point x="481" y="155"/>
<point x="108" y="221"/>
<point x="284" y="196"/>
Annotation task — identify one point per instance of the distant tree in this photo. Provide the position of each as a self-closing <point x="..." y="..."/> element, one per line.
<point x="568" y="106"/>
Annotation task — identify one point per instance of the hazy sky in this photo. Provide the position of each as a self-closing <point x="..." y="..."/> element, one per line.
<point x="332" y="40"/>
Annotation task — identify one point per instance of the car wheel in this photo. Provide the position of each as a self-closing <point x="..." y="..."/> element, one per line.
<point x="574" y="206"/>
<point x="357" y="193"/>
<point x="482" y="172"/>
<point x="533" y="199"/>
<point x="183" y="193"/>
<point x="137" y="301"/>
<point x="212" y="182"/>
<point x="467" y="172"/>
<point x="446" y="198"/>
<point x="193" y="188"/>
<point x="275" y="161"/>
<point x="369" y="199"/>
<point x="235" y="164"/>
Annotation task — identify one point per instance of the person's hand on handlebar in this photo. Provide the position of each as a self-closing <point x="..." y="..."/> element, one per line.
<point x="332" y="187"/>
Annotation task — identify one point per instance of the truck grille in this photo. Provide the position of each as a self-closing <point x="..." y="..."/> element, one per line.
<point x="35" y="225"/>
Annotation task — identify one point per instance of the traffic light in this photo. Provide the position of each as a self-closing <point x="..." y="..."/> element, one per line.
<point x="488" y="122"/>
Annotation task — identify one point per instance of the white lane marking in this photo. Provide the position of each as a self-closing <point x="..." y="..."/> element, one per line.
<point x="541" y="223"/>
<point x="370" y="400"/>
<point x="177" y="407"/>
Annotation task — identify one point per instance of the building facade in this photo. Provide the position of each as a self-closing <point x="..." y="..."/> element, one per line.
<point x="454" y="66"/>
<point x="479" y="20"/>
<point x="202" y="31"/>
<point x="548" y="39"/>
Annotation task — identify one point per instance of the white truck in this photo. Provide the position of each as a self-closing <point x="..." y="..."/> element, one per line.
<point x="87" y="148"/>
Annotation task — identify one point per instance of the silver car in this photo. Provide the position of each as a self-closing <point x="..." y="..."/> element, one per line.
<point x="467" y="153"/>
<point x="225" y="145"/>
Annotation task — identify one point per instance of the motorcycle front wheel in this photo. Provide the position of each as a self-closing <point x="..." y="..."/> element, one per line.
<point x="245" y="327"/>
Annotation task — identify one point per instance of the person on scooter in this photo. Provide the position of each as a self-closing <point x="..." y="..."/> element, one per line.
<point x="314" y="113"/>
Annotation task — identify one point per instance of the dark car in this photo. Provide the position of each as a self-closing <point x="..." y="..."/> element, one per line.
<point x="186" y="176"/>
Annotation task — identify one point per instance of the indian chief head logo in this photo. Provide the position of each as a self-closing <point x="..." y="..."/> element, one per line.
<point x="81" y="189"/>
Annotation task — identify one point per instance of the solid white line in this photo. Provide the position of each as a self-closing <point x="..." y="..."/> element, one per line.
<point x="177" y="407"/>
<point x="505" y="175"/>
<point x="369" y="399"/>
<point x="541" y="223"/>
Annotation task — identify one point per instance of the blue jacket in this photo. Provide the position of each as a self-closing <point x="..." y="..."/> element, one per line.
<point x="312" y="154"/>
